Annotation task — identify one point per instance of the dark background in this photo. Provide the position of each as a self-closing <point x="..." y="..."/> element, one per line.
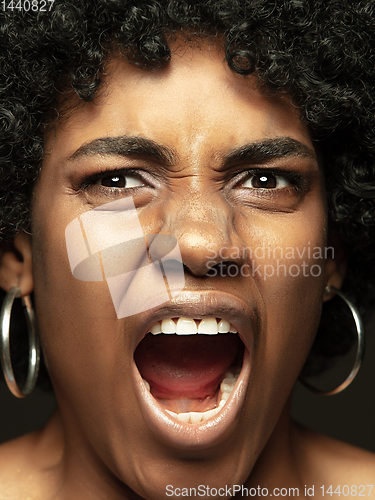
<point x="349" y="416"/>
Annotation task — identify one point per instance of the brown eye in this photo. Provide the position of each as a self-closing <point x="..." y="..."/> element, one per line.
<point x="265" y="181"/>
<point x="119" y="181"/>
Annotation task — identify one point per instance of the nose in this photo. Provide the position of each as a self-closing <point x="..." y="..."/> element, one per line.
<point x="205" y="230"/>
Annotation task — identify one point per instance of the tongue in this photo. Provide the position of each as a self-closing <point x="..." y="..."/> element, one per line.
<point x="185" y="366"/>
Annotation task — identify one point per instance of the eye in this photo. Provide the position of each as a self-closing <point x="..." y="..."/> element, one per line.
<point x="119" y="181"/>
<point x="265" y="180"/>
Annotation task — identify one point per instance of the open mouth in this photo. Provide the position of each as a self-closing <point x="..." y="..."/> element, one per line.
<point x="190" y="365"/>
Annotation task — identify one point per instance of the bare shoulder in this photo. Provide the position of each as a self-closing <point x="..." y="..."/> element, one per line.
<point x="333" y="462"/>
<point x="16" y="469"/>
<point x="28" y="465"/>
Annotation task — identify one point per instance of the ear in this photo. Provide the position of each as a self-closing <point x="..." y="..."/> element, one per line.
<point x="336" y="264"/>
<point x="16" y="264"/>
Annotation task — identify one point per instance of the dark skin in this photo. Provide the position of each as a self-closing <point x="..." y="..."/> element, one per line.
<point x="106" y="441"/>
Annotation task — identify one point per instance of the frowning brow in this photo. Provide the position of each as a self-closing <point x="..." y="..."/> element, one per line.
<point x="268" y="150"/>
<point x="141" y="147"/>
<point x="134" y="147"/>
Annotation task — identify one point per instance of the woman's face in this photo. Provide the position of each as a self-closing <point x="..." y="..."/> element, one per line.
<point x="233" y="176"/>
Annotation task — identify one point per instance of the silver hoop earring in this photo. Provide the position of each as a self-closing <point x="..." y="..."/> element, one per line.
<point x="360" y="347"/>
<point x="34" y="347"/>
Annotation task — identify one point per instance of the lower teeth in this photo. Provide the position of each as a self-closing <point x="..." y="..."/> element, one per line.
<point x="226" y="388"/>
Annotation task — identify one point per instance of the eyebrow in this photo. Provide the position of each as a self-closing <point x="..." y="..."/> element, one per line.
<point x="136" y="147"/>
<point x="268" y="150"/>
<point x="141" y="147"/>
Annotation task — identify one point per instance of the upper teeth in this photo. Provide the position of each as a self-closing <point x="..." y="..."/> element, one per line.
<point x="189" y="326"/>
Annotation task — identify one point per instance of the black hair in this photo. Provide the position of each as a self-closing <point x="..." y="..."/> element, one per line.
<point x="318" y="52"/>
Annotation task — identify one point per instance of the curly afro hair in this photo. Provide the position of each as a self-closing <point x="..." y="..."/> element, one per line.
<point x="318" y="52"/>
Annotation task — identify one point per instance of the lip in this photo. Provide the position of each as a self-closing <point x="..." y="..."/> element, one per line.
<point x="197" y="304"/>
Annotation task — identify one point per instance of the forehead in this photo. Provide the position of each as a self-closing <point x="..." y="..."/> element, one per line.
<point x="196" y="102"/>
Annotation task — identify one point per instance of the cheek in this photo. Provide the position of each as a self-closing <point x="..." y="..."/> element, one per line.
<point x="288" y="263"/>
<point x="72" y="314"/>
<point x="292" y="311"/>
